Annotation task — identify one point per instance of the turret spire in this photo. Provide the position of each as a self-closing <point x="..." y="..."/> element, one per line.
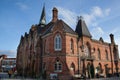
<point x="81" y="28"/>
<point x="43" y="17"/>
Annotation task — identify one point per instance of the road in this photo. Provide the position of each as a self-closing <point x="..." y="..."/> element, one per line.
<point x="5" y="76"/>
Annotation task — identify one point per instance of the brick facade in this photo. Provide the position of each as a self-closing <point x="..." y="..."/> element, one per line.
<point x="76" y="53"/>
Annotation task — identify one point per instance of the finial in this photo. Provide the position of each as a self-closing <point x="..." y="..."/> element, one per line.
<point x="81" y="18"/>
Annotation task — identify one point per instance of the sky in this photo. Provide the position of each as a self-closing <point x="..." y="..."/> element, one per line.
<point x="17" y="16"/>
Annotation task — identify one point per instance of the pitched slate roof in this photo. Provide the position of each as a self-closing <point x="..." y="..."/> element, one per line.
<point x="81" y="29"/>
<point x="66" y="28"/>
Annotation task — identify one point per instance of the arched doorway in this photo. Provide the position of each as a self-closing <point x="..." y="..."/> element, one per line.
<point x="98" y="70"/>
<point x="90" y="70"/>
<point x="72" y="68"/>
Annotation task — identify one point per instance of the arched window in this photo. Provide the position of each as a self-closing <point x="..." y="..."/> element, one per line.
<point x="57" y="43"/>
<point x="99" y="55"/>
<point x="58" y="66"/>
<point x="87" y="51"/>
<point x="107" y="55"/>
<point x="72" y="45"/>
<point x="99" y="68"/>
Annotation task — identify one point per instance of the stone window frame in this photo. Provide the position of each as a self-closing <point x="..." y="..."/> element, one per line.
<point x="58" y="66"/>
<point x="58" y="42"/>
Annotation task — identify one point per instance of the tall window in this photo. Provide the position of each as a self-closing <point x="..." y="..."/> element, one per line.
<point x="71" y="45"/>
<point x="58" y="66"/>
<point x="87" y="51"/>
<point x="57" y="42"/>
<point x="107" y="55"/>
<point x="99" y="55"/>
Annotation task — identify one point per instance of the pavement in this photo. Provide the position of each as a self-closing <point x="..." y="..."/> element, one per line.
<point x="5" y="76"/>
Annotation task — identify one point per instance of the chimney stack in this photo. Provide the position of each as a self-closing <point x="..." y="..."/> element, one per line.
<point x="55" y="15"/>
<point x="112" y="38"/>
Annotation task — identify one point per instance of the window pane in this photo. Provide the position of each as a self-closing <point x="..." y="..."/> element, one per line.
<point x="57" y="42"/>
<point x="60" y="67"/>
<point x="55" y="66"/>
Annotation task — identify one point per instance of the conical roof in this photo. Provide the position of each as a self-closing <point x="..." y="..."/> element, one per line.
<point x="81" y="29"/>
<point x="43" y="17"/>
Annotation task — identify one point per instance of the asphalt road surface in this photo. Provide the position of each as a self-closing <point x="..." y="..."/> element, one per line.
<point x="5" y="76"/>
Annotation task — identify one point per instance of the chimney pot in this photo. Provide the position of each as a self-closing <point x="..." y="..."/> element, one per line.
<point x="55" y="14"/>
<point x="112" y="38"/>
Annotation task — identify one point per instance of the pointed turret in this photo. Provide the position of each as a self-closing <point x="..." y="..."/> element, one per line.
<point x="81" y="28"/>
<point x="42" y="21"/>
<point x="101" y="39"/>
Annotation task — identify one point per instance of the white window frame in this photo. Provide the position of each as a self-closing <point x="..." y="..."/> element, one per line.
<point x="58" y="66"/>
<point x="57" y="43"/>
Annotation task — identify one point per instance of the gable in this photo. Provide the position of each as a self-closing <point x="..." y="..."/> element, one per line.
<point x="59" y="25"/>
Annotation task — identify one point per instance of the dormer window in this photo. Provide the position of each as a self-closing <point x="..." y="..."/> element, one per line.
<point x="57" y="43"/>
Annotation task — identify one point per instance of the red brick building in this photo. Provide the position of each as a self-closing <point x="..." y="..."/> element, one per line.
<point x="55" y="49"/>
